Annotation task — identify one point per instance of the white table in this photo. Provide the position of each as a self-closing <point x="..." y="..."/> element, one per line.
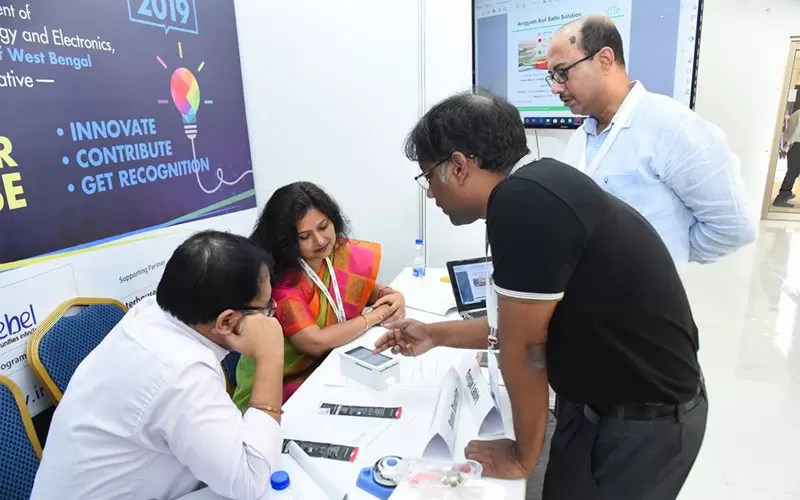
<point x="416" y="393"/>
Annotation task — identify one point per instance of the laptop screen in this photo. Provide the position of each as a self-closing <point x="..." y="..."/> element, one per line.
<point x="469" y="282"/>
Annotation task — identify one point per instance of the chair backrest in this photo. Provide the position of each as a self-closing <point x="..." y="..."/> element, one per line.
<point x="61" y="341"/>
<point x="20" y="451"/>
<point x="229" y="367"/>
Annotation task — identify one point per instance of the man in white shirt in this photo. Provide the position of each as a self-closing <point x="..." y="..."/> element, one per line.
<point x="146" y="414"/>
<point x="649" y="150"/>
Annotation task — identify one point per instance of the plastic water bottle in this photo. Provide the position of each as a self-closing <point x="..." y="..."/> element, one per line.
<point x="281" y="486"/>
<point x="419" y="259"/>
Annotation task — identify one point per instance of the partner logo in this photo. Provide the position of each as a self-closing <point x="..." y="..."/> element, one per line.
<point x="12" y="325"/>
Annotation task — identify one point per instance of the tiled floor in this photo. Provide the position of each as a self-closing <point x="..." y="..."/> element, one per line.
<point x="748" y="310"/>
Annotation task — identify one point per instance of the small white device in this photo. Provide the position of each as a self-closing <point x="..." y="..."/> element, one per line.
<point x="373" y="370"/>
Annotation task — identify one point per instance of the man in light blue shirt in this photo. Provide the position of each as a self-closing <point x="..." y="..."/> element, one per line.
<point x="649" y="150"/>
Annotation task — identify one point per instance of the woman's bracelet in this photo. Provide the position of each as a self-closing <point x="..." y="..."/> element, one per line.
<point x="268" y="409"/>
<point x="366" y="322"/>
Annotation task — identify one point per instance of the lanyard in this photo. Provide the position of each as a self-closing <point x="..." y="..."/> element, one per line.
<point x="525" y="160"/>
<point x="617" y="124"/>
<point x="491" y="303"/>
<point x="338" y="305"/>
<point x="492" y="363"/>
<point x="491" y="295"/>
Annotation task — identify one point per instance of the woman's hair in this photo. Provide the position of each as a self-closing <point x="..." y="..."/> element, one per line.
<point x="276" y="229"/>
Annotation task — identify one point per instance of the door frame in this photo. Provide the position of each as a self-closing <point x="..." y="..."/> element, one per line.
<point x="794" y="48"/>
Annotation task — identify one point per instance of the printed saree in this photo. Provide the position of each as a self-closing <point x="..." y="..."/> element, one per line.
<point x="300" y="305"/>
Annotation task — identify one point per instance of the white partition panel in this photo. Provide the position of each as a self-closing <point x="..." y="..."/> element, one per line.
<point x="331" y="90"/>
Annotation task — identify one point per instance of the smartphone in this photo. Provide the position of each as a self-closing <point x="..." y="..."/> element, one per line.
<point x="365" y="355"/>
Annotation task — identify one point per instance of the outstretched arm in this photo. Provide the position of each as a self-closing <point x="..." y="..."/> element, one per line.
<point x="412" y="338"/>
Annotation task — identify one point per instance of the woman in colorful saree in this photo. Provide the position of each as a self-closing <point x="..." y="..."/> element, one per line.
<point x="322" y="283"/>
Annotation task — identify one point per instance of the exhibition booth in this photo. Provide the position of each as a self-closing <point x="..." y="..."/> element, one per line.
<point x="127" y="125"/>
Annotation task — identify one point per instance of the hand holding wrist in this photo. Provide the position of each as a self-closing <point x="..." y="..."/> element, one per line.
<point x="373" y="318"/>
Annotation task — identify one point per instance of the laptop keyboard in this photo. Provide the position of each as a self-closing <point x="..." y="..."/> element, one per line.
<point x="477" y="314"/>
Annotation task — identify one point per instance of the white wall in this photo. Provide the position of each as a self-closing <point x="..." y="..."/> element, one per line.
<point x="743" y="51"/>
<point x="331" y="89"/>
<point x="448" y="67"/>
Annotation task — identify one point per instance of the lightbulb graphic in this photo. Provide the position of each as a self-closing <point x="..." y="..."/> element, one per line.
<point x="186" y="96"/>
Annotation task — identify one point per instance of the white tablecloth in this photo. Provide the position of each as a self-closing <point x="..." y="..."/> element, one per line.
<point x="416" y="392"/>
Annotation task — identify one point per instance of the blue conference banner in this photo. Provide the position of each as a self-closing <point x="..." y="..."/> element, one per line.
<point x="117" y="117"/>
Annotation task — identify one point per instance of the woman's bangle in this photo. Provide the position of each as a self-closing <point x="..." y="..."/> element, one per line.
<point x="366" y="322"/>
<point x="268" y="409"/>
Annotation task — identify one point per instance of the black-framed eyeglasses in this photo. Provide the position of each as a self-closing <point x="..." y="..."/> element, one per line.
<point x="561" y="74"/>
<point x="424" y="179"/>
<point x="268" y="311"/>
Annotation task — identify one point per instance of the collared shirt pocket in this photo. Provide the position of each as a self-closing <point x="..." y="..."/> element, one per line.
<point x="629" y="187"/>
<point x="646" y="193"/>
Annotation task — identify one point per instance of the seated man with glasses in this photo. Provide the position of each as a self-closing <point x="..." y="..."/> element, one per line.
<point x="649" y="150"/>
<point x="146" y="414"/>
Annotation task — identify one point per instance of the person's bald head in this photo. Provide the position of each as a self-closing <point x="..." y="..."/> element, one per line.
<point x="596" y="40"/>
<point x="591" y="34"/>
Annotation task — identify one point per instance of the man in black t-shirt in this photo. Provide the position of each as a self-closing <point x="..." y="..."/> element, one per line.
<point x="589" y="301"/>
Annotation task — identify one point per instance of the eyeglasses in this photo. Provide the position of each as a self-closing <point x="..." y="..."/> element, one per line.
<point x="560" y="75"/>
<point x="424" y="179"/>
<point x="268" y="311"/>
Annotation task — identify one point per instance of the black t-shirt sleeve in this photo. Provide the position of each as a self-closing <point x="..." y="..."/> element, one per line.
<point x="536" y="240"/>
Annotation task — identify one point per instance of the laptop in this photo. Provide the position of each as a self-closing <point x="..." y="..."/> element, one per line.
<point x="469" y="280"/>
